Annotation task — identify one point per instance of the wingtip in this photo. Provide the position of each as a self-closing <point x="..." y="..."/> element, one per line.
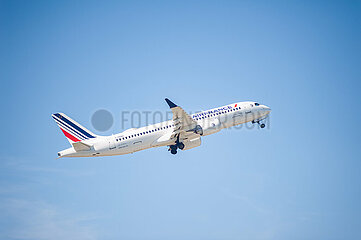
<point x="170" y="103"/>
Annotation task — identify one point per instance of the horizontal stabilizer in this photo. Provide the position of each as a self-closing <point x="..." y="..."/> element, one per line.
<point x="80" y="146"/>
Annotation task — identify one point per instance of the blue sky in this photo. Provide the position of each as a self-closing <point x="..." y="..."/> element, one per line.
<point x="298" y="179"/>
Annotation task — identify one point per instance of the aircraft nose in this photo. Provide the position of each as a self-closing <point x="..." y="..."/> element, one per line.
<point x="267" y="109"/>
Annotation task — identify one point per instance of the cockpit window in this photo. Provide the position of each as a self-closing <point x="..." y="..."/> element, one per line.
<point x="256" y="104"/>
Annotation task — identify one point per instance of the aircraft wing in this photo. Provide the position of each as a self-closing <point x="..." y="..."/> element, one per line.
<point x="184" y="124"/>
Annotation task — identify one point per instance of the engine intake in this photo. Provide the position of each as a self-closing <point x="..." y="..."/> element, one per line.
<point x="198" y="130"/>
<point x="212" y="127"/>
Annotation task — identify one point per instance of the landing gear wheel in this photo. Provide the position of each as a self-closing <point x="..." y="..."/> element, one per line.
<point x="180" y="146"/>
<point x="262" y="125"/>
<point x="173" y="151"/>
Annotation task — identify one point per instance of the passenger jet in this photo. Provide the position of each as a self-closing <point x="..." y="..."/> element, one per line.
<point x="183" y="132"/>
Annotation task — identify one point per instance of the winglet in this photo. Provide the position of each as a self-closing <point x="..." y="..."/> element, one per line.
<point x="170" y="103"/>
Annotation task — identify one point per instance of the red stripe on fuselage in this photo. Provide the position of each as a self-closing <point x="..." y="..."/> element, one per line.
<point x="68" y="135"/>
<point x="235" y="105"/>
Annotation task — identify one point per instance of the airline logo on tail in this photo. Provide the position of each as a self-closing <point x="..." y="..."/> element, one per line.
<point x="72" y="130"/>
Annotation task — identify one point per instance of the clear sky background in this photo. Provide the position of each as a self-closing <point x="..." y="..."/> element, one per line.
<point x="298" y="179"/>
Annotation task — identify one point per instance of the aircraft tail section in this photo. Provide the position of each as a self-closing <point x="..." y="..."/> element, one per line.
<point x="72" y="130"/>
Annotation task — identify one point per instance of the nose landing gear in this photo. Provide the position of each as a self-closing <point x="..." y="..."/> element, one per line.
<point x="259" y="122"/>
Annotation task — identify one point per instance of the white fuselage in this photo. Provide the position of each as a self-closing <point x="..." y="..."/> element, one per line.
<point x="136" y="139"/>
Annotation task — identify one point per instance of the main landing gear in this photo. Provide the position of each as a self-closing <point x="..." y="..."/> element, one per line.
<point x="173" y="148"/>
<point x="259" y="122"/>
<point x="177" y="145"/>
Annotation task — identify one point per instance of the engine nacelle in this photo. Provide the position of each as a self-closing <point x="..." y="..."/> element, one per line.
<point x="198" y="130"/>
<point x="212" y="127"/>
<point x="196" y="142"/>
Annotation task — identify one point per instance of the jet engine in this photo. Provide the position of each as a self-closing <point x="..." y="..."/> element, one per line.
<point x="212" y="127"/>
<point x="198" y="130"/>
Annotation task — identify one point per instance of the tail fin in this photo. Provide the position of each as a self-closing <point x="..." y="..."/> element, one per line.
<point x="72" y="130"/>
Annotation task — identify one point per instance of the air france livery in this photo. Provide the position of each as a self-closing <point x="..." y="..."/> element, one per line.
<point x="183" y="132"/>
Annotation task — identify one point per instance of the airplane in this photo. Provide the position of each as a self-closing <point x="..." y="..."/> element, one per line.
<point x="183" y="132"/>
